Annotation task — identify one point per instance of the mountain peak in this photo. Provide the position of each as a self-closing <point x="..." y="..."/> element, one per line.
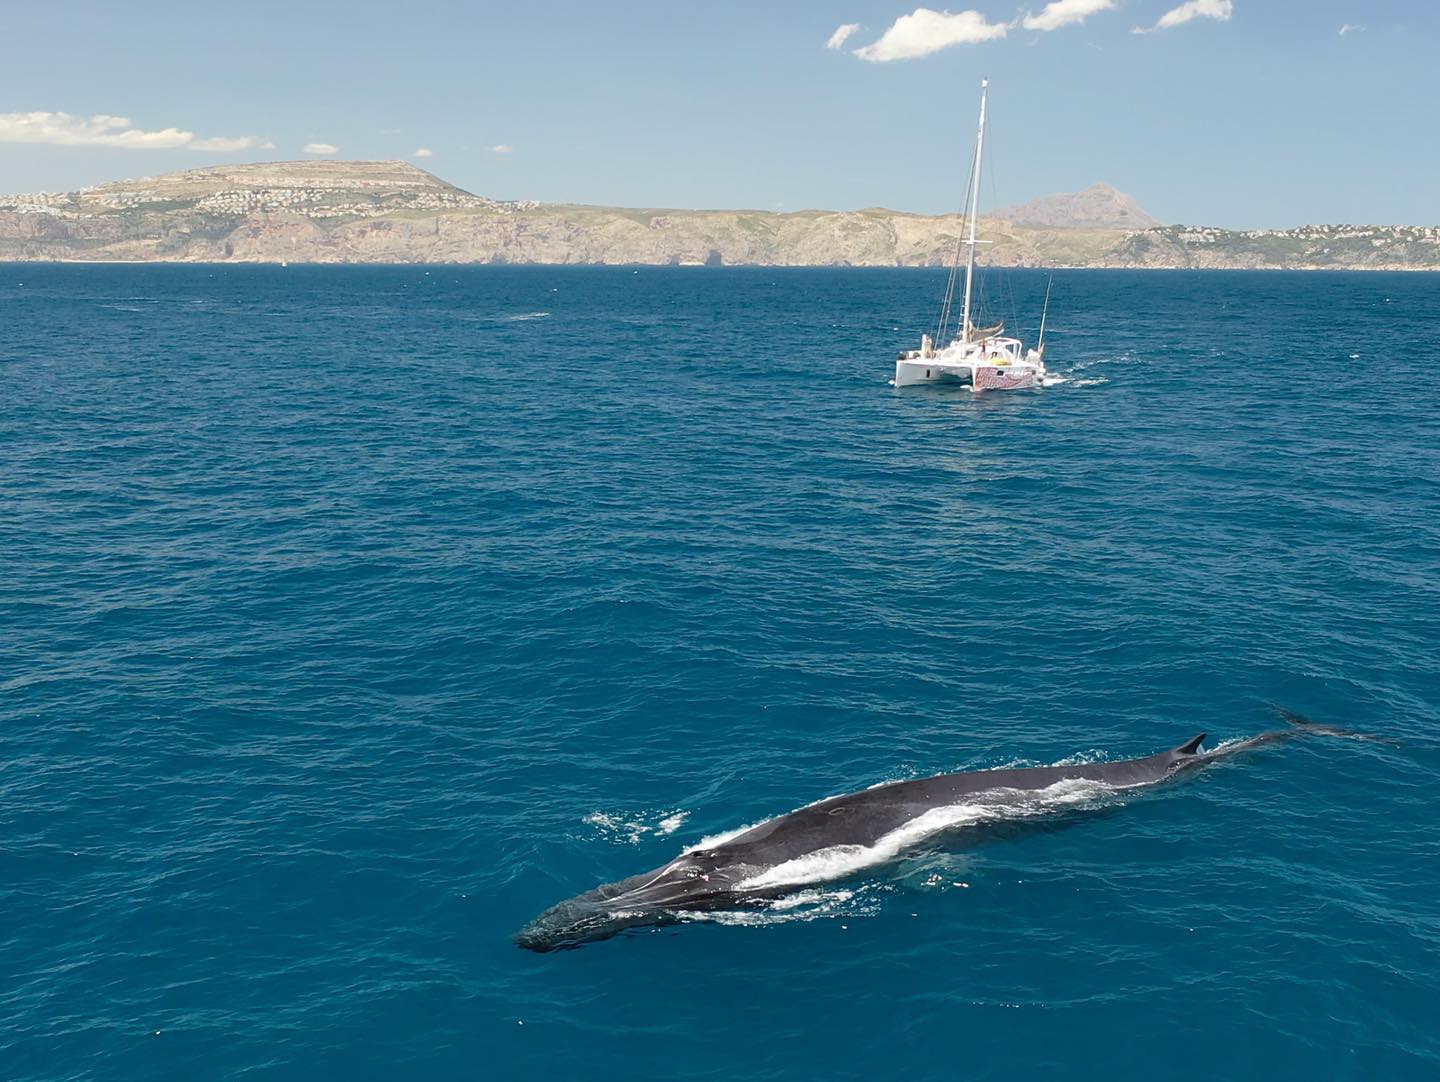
<point x="1100" y="206"/>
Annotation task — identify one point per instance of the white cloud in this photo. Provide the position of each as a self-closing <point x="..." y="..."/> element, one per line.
<point x="502" y="148"/>
<point x="102" y="130"/>
<point x="923" y="32"/>
<point x="1060" y="13"/>
<point x="227" y="145"/>
<point x="1191" y="9"/>
<point x="424" y="152"/>
<point x="321" y="148"/>
<point x="1351" y="28"/>
<point x="841" y="35"/>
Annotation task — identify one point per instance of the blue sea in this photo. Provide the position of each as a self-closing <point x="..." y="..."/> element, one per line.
<point x="351" y="616"/>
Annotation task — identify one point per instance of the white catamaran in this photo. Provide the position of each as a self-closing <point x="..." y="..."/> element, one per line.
<point x="979" y="356"/>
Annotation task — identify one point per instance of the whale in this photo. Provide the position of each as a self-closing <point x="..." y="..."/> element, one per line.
<point x="747" y="868"/>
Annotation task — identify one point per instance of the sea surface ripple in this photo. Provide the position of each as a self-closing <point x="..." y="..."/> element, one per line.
<point x="351" y="616"/>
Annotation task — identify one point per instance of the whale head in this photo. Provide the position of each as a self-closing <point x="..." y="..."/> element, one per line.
<point x="692" y="881"/>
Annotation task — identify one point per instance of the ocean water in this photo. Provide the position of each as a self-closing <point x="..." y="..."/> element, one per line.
<point x="351" y="616"/>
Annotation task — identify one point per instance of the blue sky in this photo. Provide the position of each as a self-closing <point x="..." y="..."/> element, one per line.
<point x="1237" y="113"/>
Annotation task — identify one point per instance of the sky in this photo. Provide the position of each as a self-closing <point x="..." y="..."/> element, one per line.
<point x="1234" y="113"/>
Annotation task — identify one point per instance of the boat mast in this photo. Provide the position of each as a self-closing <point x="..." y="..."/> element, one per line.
<point x="1040" y="346"/>
<point x="974" y="209"/>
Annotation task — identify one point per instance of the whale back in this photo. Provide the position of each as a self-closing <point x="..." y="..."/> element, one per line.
<point x="864" y="817"/>
<point x="719" y="876"/>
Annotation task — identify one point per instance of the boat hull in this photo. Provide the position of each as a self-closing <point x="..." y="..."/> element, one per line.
<point x="911" y="373"/>
<point x="1011" y="378"/>
<point x="979" y="377"/>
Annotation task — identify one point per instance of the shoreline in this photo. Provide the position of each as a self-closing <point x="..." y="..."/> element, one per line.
<point x="1311" y="269"/>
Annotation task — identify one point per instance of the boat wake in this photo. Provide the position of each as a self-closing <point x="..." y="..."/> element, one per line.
<point x="1074" y="379"/>
<point x="512" y="317"/>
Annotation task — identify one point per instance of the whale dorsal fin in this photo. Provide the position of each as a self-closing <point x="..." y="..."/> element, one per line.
<point x="1191" y="746"/>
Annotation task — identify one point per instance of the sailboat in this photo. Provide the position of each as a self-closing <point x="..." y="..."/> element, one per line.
<point x="980" y="356"/>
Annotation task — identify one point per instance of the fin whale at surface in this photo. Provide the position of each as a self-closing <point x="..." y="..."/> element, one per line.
<point x="1296" y="725"/>
<point x="1301" y="725"/>
<point x="757" y="865"/>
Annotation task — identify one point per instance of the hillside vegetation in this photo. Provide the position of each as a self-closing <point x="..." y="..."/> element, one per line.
<point x="393" y="212"/>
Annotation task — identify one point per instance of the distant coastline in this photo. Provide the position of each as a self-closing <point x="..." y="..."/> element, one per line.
<point x="1369" y="269"/>
<point x="332" y="212"/>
